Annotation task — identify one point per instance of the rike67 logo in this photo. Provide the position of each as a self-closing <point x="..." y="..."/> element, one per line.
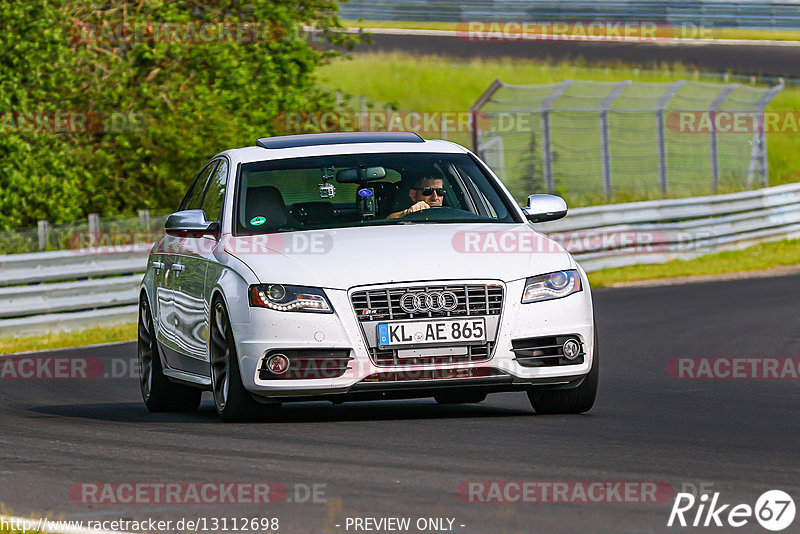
<point x="774" y="510"/>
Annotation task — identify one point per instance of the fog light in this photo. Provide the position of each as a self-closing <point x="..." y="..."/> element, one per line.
<point x="277" y="364"/>
<point x="571" y="349"/>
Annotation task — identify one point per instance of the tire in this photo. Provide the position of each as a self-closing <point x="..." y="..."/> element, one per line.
<point x="460" y="397"/>
<point x="158" y="392"/>
<point x="232" y="400"/>
<point x="569" y="401"/>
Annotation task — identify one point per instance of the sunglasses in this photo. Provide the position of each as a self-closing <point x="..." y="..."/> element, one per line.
<point x="428" y="191"/>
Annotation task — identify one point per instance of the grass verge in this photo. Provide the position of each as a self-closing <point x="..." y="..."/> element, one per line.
<point x="5" y="530"/>
<point x="762" y="256"/>
<point x="89" y="336"/>
<point x="702" y="33"/>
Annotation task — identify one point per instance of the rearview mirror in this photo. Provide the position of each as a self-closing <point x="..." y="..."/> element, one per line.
<point x="360" y="175"/>
<point x="543" y="208"/>
<point x="190" y="221"/>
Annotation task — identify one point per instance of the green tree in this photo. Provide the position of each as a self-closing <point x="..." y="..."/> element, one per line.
<point x="174" y="101"/>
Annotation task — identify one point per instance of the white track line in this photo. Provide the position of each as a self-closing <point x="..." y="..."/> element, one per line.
<point x="495" y="36"/>
<point x="42" y="525"/>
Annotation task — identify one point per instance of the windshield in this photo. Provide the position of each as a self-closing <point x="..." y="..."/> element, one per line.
<point x="364" y="190"/>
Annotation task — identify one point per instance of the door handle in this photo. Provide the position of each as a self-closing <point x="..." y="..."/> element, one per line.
<point x="158" y="265"/>
<point x="177" y="267"/>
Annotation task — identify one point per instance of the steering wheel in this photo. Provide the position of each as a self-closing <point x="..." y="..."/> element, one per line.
<point x="442" y="213"/>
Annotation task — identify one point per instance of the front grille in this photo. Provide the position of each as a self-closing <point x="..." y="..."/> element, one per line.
<point x="545" y="351"/>
<point x="384" y="305"/>
<point x="472" y="299"/>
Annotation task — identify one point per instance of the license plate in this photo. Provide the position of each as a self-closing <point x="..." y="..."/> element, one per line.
<point x="403" y="333"/>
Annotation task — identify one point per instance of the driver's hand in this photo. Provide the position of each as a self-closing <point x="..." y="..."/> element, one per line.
<point x="421" y="205"/>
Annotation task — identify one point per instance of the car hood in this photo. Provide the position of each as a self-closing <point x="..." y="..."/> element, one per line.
<point x="347" y="257"/>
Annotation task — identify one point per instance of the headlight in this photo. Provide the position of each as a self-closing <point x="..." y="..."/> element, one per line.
<point x="551" y="286"/>
<point x="289" y="298"/>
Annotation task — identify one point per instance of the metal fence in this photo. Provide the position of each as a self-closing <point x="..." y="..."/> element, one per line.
<point x="71" y="289"/>
<point x="92" y="231"/>
<point x="594" y="141"/>
<point x="707" y="13"/>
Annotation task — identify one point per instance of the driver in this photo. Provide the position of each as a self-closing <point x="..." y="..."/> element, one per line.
<point x="426" y="192"/>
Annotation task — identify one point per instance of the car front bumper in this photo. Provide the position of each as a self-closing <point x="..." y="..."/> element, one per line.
<point x="269" y="331"/>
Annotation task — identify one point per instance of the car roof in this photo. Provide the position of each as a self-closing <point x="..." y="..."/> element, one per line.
<point x="257" y="153"/>
<point x="337" y="138"/>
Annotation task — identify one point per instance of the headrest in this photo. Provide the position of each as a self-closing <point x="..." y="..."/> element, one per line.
<point x="265" y="208"/>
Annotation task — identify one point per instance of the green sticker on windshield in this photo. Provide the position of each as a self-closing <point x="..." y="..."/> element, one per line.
<point x="258" y="221"/>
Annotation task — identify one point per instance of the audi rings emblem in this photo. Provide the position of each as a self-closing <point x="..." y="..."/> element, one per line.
<point x="429" y="301"/>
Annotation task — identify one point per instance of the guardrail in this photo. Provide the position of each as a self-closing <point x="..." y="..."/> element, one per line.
<point x="784" y="14"/>
<point x="50" y="291"/>
<point x="44" y="292"/>
<point x="656" y="231"/>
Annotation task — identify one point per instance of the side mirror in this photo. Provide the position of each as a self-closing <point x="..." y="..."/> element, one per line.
<point x="190" y="221"/>
<point x="543" y="208"/>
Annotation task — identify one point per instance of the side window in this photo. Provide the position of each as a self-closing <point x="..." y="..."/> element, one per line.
<point x="215" y="193"/>
<point x="194" y="198"/>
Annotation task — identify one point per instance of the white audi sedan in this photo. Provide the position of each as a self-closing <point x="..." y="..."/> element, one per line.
<point x="361" y="266"/>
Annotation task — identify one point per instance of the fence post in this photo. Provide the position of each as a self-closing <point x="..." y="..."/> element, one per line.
<point x="604" y="140"/>
<point x="758" y="152"/>
<point x="144" y="219"/>
<point x="389" y="118"/>
<point x="338" y="100"/>
<point x="364" y="118"/>
<point x="94" y="227"/>
<point x="661" y="132"/>
<point x="474" y="111"/>
<point x="713" y="108"/>
<point x="547" y="152"/>
<point x="43" y="229"/>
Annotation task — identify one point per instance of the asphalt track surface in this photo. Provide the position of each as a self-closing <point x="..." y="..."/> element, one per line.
<point x="407" y="458"/>
<point x="741" y="59"/>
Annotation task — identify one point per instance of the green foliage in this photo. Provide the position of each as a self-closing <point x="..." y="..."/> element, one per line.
<point x="166" y="106"/>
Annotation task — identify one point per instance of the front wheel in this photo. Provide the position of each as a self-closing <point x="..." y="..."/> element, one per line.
<point x="232" y="400"/>
<point x="566" y="401"/>
<point x="158" y="392"/>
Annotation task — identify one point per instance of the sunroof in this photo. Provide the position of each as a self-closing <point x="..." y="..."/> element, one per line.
<point x="337" y="138"/>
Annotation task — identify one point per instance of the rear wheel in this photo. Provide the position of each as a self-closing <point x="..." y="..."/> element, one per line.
<point x="233" y="401"/>
<point x="158" y="392"/>
<point x="575" y="400"/>
<point x="460" y="397"/>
